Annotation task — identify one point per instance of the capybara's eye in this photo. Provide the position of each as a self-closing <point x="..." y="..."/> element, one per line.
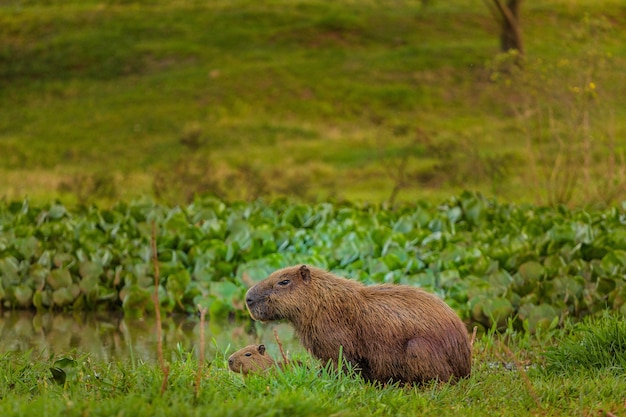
<point x="248" y="354"/>
<point x="284" y="282"/>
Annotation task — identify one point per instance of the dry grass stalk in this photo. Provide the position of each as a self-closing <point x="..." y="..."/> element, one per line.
<point x="203" y="311"/>
<point x="157" y="309"/>
<point x="280" y="346"/>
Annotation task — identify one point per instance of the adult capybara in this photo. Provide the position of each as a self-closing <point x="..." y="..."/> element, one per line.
<point x="387" y="332"/>
<point x="251" y="358"/>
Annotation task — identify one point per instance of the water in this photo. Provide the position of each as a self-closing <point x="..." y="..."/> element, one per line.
<point x="111" y="337"/>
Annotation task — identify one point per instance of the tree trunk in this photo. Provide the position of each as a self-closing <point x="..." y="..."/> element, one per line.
<point x="511" y="36"/>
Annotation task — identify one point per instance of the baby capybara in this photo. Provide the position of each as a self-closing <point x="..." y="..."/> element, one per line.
<point x="251" y="358"/>
<point x="387" y="332"/>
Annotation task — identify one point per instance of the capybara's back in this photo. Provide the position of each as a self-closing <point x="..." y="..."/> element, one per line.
<point x="388" y="332"/>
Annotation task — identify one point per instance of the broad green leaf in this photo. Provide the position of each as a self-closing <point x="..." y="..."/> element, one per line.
<point x="59" y="278"/>
<point x="23" y="295"/>
<point x="9" y="271"/>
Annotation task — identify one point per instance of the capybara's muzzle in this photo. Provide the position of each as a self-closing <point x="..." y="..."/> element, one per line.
<point x="252" y="302"/>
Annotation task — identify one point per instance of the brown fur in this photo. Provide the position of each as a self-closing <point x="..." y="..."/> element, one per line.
<point x="252" y="358"/>
<point x="388" y="332"/>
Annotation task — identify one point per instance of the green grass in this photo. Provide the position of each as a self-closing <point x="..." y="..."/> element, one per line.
<point x="594" y="344"/>
<point x="105" y="92"/>
<point x="505" y="381"/>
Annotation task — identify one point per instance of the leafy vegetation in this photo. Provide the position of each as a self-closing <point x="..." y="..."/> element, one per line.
<point x="490" y="261"/>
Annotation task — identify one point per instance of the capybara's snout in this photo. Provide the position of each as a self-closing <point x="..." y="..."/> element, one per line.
<point x="251" y="299"/>
<point x="254" y="300"/>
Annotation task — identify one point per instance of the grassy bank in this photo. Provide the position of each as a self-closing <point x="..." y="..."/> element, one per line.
<point x="511" y="376"/>
<point x="112" y="100"/>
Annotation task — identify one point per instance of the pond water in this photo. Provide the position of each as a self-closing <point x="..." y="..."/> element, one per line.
<point x="111" y="337"/>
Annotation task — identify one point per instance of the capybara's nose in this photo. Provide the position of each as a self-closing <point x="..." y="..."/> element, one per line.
<point x="250" y="301"/>
<point x="230" y="361"/>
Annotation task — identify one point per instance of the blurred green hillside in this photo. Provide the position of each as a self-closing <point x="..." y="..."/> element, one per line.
<point x="114" y="99"/>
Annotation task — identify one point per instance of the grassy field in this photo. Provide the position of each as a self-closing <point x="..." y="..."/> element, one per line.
<point x="109" y="100"/>
<point x="511" y="376"/>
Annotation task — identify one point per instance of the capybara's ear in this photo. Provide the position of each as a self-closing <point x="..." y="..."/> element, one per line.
<point x="305" y="273"/>
<point x="261" y="349"/>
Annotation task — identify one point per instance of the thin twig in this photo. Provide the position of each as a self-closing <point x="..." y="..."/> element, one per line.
<point x="473" y="338"/>
<point x="203" y="311"/>
<point x="280" y="346"/>
<point x="522" y="372"/>
<point x="157" y="309"/>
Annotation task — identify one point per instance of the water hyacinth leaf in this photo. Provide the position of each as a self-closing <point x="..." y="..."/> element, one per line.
<point x="239" y="231"/>
<point x="449" y="278"/>
<point x="562" y="233"/>
<point x="27" y="247"/>
<point x="531" y="272"/>
<point x="393" y="261"/>
<point x="500" y="280"/>
<point x="176" y="222"/>
<point x="617" y="238"/>
<point x="64" y="370"/>
<point x="176" y="285"/>
<point x="255" y="271"/>
<point x="23" y="295"/>
<point x="553" y="263"/>
<point x="88" y="284"/>
<point x="218" y="309"/>
<point x="232" y="250"/>
<point x="497" y="310"/>
<point x="433" y="237"/>
<point x="59" y="278"/>
<point x="476" y="305"/>
<point x="37" y="275"/>
<point x="614" y="261"/>
<point x="56" y="212"/>
<point x="89" y="269"/>
<point x="224" y="290"/>
<point x="346" y="251"/>
<point x="105" y="293"/>
<point x="62" y="297"/>
<point x="136" y="301"/>
<point x="403" y="225"/>
<point x="566" y="288"/>
<point x="61" y="259"/>
<point x="454" y="214"/>
<point x="221" y="298"/>
<point x="605" y="285"/>
<point x="9" y="271"/>
<point x="618" y="297"/>
<point x="540" y="317"/>
<point x="58" y="375"/>
<point x="42" y="299"/>
<point x="584" y="233"/>
<point x="594" y="251"/>
<point x="473" y="208"/>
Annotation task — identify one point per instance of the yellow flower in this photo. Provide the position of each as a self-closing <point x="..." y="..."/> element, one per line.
<point x="592" y="85"/>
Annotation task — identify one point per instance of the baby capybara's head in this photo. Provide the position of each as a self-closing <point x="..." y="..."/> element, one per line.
<point x="280" y="295"/>
<point x="251" y="358"/>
